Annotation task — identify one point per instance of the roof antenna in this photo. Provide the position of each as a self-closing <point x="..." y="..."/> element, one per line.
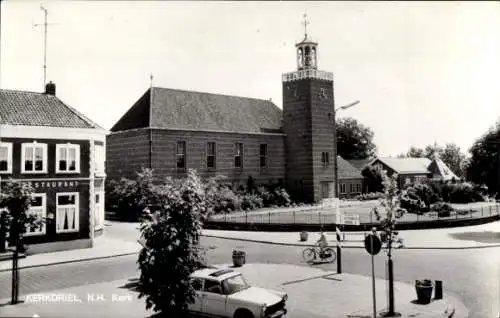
<point x="151" y="80"/>
<point x="45" y="24"/>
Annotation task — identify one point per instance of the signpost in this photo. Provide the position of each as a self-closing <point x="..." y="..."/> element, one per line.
<point x="338" y="222"/>
<point x="373" y="246"/>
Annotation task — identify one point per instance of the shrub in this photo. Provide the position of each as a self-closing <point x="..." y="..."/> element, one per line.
<point x="251" y="202"/>
<point x="128" y="198"/>
<point x="368" y="196"/>
<point x="412" y="205"/>
<point x="424" y="193"/>
<point x="462" y="193"/>
<point x="441" y="206"/>
<point x="224" y="200"/>
<point x="171" y="245"/>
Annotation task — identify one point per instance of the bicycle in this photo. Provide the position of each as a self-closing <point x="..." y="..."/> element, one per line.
<point x="311" y="254"/>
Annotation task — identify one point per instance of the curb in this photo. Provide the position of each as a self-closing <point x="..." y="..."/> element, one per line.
<point x="71" y="261"/>
<point x="314" y="245"/>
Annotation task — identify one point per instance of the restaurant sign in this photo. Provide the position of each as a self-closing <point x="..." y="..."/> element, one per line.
<point x="52" y="184"/>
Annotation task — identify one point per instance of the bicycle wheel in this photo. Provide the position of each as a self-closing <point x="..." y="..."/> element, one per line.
<point x="309" y="255"/>
<point x="333" y="255"/>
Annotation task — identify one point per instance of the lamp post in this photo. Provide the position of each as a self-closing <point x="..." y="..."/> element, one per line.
<point x="337" y="208"/>
<point x="337" y="186"/>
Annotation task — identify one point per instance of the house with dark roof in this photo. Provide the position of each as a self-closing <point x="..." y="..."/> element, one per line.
<point x="171" y="130"/>
<point x="61" y="154"/>
<point x="411" y="170"/>
<point x="351" y="181"/>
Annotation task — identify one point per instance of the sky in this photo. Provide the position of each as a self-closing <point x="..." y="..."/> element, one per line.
<point x="423" y="72"/>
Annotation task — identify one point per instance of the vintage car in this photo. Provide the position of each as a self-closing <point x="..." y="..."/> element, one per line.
<point x="225" y="293"/>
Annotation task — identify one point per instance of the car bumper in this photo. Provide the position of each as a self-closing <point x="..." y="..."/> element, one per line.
<point x="278" y="314"/>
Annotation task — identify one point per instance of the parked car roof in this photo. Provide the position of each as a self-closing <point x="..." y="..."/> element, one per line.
<point x="214" y="273"/>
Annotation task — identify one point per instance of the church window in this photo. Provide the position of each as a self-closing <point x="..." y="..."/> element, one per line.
<point x="211" y="155"/>
<point x="325" y="159"/>
<point x="238" y="155"/>
<point x="181" y="155"/>
<point x="263" y="155"/>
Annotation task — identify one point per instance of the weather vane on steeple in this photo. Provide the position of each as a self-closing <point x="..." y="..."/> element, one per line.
<point x="305" y="23"/>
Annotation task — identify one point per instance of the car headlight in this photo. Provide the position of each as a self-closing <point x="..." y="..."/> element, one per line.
<point x="263" y="310"/>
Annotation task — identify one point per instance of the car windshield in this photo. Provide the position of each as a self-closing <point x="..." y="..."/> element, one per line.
<point x="234" y="284"/>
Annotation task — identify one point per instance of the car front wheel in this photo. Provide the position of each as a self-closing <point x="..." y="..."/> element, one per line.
<point x="243" y="313"/>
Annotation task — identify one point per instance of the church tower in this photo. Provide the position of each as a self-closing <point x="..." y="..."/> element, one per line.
<point x="309" y="123"/>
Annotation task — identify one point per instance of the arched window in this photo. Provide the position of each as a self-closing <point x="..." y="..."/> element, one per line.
<point x="307" y="56"/>
<point x="300" y="58"/>
<point x="313" y="57"/>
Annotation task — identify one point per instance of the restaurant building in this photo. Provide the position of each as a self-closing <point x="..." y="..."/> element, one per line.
<point x="61" y="153"/>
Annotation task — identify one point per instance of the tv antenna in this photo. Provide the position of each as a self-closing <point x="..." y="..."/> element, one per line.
<point x="45" y="24"/>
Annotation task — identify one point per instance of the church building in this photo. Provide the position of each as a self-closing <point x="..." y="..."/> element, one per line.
<point x="170" y="131"/>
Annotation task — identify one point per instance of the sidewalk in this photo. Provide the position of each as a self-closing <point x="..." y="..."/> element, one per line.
<point x="105" y="246"/>
<point x="413" y="239"/>
<point x="312" y="293"/>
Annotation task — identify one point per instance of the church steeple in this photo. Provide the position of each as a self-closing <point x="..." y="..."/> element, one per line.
<point x="306" y="50"/>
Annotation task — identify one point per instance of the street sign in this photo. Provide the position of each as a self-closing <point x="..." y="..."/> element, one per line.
<point x="350" y="218"/>
<point x="373" y="244"/>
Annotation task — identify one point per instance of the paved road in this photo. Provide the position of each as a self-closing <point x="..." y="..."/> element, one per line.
<point x="472" y="275"/>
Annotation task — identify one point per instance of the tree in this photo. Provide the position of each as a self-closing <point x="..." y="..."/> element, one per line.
<point x="374" y="178"/>
<point x="171" y="237"/>
<point x="453" y="157"/>
<point x="387" y="215"/>
<point x="15" y="201"/>
<point x="415" y="152"/>
<point x="484" y="160"/>
<point x="354" y="140"/>
<point x="431" y="151"/>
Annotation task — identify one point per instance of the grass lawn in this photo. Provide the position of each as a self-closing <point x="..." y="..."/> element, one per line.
<point x="317" y="215"/>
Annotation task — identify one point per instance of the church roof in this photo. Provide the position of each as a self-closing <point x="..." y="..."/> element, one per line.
<point x="166" y="108"/>
<point x="346" y="170"/>
<point x="38" y="109"/>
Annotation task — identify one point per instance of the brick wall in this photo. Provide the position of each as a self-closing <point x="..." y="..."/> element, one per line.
<point x="298" y="144"/>
<point x="126" y="153"/>
<point x="323" y="125"/>
<point x="164" y="154"/>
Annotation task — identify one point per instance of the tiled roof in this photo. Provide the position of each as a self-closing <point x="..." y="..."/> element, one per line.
<point x="441" y="171"/>
<point x="360" y="164"/>
<point x="178" y="109"/>
<point x="38" y="109"/>
<point x="407" y="165"/>
<point x="346" y="170"/>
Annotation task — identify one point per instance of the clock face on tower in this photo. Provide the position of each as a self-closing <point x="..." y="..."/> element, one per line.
<point x="322" y="95"/>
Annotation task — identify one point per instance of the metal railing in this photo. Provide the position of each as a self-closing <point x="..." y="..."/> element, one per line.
<point x="327" y="216"/>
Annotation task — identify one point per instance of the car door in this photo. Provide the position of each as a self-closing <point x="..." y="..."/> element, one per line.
<point x="213" y="299"/>
<point x="197" y="284"/>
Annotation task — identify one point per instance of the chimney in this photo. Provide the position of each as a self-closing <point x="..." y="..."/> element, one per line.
<point x="50" y="88"/>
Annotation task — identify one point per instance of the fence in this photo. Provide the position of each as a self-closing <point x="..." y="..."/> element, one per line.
<point x="327" y="217"/>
